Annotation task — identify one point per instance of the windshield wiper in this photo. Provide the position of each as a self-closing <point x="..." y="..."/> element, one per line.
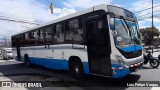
<point x="126" y="25"/>
<point x="131" y="33"/>
<point x="135" y="39"/>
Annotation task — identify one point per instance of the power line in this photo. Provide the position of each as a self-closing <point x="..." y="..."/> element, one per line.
<point x="156" y="16"/>
<point x="21" y="21"/>
<point x="147" y="14"/>
<point x="147" y="9"/>
<point x="15" y="19"/>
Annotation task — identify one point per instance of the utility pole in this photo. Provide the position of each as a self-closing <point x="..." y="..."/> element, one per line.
<point x="152" y="26"/>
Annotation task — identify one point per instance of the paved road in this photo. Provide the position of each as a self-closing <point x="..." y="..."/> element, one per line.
<point x="13" y="70"/>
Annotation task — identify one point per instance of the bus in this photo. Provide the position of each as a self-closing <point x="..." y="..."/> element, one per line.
<point x="103" y="40"/>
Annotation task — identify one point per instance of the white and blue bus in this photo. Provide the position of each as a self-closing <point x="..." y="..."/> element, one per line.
<point x="103" y="40"/>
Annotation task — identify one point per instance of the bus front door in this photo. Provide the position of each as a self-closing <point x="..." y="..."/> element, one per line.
<point x="99" y="50"/>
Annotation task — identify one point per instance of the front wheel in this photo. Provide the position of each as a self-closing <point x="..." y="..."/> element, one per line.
<point x="154" y="63"/>
<point x="27" y="61"/>
<point x="5" y="58"/>
<point x="76" y="69"/>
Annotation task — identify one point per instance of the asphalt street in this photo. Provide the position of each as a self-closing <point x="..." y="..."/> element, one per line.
<point x="17" y="71"/>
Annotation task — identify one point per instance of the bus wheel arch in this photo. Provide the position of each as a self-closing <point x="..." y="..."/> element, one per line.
<point x="26" y="60"/>
<point x="76" y="67"/>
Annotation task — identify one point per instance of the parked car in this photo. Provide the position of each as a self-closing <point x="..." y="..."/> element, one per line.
<point x="6" y="53"/>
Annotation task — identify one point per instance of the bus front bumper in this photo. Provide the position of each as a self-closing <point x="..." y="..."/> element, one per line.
<point x="120" y="71"/>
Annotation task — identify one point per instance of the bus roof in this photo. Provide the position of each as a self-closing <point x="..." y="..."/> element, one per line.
<point x="91" y="9"/>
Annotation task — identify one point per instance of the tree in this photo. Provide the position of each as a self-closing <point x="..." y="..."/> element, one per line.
<point x="147" y="34"/>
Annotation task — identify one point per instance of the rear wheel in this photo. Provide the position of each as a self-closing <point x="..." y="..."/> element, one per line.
<point x="4" y="58"/>
<point x="154" y="63"/>
<point x="27" y="61"/>
<point x="76" y="69"/>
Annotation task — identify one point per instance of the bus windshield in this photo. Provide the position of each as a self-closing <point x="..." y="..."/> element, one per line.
<point x="134" y="33"/>
<point x="126" y="36"/>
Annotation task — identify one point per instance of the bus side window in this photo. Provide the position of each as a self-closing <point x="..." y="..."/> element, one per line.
<point x="22" y="39"/>
<point x="14" y="42"/>
<point x="74" y="32"/>
<point x="59" y="33"/>
<point x="48" y="35"/>
<point x="68" y="32"/>
<point x="41" y="36"/>
<point x="33" y="38"/>
<point x="26" y="40"/>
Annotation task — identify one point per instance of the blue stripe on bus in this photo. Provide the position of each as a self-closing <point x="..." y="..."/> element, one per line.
<point x="120" y="73"/>
<point x="131" y="48"/>
<point x="50" y="63"/>
<point x="57" y="64"/>
<point x="60" y="64"/>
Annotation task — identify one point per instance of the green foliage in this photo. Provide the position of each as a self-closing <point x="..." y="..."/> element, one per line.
<point x="147" y="34"/>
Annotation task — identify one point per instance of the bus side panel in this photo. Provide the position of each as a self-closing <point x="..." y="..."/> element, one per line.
<point x="55" y="57"/>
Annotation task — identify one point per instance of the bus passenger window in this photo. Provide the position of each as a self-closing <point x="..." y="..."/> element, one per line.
<point x="15" y="40"/>
<point x="59" y="34"/>
<point x="22" y="39"/>
<point x="74" y="32"/>
<point x="41" y="36"/>
<point x="68" y="32"/>
<point x="48" y="35"/>
<point x="33" y="37"/>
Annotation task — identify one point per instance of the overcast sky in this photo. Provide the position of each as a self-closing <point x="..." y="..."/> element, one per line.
<point x="38" y="11"/>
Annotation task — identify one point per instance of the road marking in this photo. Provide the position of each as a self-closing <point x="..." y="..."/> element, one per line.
<point x="155" y="88"/>
<point x="11" y="60"/>
<point x="2" y="61"/>
<point x="7" y="60"/>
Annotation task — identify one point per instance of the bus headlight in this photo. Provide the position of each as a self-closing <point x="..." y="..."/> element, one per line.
<point x="120" y="60"/>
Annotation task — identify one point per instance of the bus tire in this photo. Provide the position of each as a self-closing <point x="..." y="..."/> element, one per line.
<point x="27" y="61"/>
<point x="76" y="68"/>
<point x="4" y="58"/>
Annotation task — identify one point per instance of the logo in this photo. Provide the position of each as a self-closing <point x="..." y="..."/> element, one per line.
<point x="6" y="84"/>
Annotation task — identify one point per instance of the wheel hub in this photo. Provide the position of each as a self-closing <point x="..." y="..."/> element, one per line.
<point x="77" y="70"/>
<point x="154" y="63"/>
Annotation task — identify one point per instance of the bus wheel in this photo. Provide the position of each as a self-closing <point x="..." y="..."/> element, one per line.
<point x="76" y="69"/>
<point x="4" y="58"/>
<point x="27" y="61"/>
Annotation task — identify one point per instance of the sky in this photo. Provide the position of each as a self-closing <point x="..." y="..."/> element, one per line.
<point x="38" y="11"/>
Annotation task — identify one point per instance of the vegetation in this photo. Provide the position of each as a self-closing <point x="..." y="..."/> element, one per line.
<point x="147" y="34"/>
